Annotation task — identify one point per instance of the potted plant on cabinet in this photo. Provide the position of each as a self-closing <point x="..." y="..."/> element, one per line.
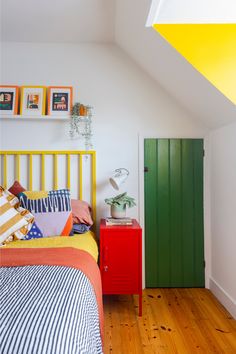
<point x="119" y="203"/>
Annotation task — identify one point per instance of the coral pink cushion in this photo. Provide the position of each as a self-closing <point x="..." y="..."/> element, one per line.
<point x="16" y="188"/>
<point x="81" y="212"/>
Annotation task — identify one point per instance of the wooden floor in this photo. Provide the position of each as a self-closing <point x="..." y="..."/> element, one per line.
<point x="181" y="321"/>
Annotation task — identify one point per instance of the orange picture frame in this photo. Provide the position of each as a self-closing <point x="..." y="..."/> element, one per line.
<point x="9" y="99"/>
<point x="60" y="100"/>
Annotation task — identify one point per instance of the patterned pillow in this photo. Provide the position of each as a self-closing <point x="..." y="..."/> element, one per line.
<point x="15" y="222"/>
<point x="52" y="210"/>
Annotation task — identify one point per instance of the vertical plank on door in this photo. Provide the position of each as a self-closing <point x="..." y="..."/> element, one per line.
<point x="198" y="212"/>
<point x="176" y="242"/>
<point x="188" y="232"/>
<point x="150" y="177"/>
<point x="163" y="211"/>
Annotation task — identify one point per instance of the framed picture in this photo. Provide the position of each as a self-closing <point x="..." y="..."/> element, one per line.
<point x="60" y="100"/>
<point x="33" y="100"/>
<point x="9" y="99"/>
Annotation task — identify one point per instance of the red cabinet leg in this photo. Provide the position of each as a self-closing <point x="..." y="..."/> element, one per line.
<point x="140" y="304"/>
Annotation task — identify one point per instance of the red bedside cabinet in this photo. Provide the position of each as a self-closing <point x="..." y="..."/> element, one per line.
<point x="121" y="259"/>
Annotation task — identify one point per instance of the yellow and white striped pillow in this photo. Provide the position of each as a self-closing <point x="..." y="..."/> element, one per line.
<point x="15" y="222"/>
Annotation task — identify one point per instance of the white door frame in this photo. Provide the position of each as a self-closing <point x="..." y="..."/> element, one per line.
<point x="206" y="196"/>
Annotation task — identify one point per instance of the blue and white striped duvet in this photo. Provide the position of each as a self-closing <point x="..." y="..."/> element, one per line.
<point x="47" y="310"/>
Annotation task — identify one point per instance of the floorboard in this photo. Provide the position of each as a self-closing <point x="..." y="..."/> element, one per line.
<point x="182" y="321"/>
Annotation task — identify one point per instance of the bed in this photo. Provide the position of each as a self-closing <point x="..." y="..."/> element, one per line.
<point x="50" y="295"/>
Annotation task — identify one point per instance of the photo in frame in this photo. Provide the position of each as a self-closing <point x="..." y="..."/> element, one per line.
<point x="9" y="96"/>
<point x="33" y="100"/>
<point x="60" y="100"/>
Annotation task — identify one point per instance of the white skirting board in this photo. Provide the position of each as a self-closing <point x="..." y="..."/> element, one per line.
<point x="226" y="300"/>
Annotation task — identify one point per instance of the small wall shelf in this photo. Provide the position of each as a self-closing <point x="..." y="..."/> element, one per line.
<point x="40" y="117"/>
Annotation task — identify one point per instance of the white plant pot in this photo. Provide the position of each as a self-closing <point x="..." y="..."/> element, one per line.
<point x="118" y="211"/>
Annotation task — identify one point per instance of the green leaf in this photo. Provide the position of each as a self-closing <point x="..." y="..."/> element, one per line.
<point x="121" y="199"/>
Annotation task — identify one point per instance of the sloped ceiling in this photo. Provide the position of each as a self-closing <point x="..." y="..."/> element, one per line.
<point x="204" y="33"/>
<point x="168" y="67"/>
<point x="123" y="22"/>
<point x="209" y="48"/>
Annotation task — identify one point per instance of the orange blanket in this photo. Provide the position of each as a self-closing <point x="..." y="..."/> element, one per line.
<point x="69" y="257"/>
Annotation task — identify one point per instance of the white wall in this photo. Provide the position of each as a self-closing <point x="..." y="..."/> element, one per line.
<point x="126" y="102"/>
<point x="223" y="215"/>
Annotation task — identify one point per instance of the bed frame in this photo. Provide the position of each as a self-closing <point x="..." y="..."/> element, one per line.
<point x="67" y="154"/>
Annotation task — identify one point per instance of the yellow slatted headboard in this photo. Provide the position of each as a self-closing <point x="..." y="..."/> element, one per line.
<point x="30" y="154"/>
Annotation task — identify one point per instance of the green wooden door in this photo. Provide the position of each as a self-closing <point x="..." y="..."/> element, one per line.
<point x="174" y="237"/>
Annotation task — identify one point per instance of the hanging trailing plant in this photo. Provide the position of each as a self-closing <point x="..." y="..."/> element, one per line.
<point x="81" y="123"/>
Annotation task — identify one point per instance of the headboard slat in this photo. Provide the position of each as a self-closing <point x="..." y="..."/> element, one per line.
<point x="30" y="172"/>
<point x="94" y="186"/>
<point x="18" y="167"/>
<point x="55" y="171"/>
<point x="68" y="171"/>
<point x="5" y="171"/>
<point x="43" y="172"/>
<point x="80" y="176"/>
